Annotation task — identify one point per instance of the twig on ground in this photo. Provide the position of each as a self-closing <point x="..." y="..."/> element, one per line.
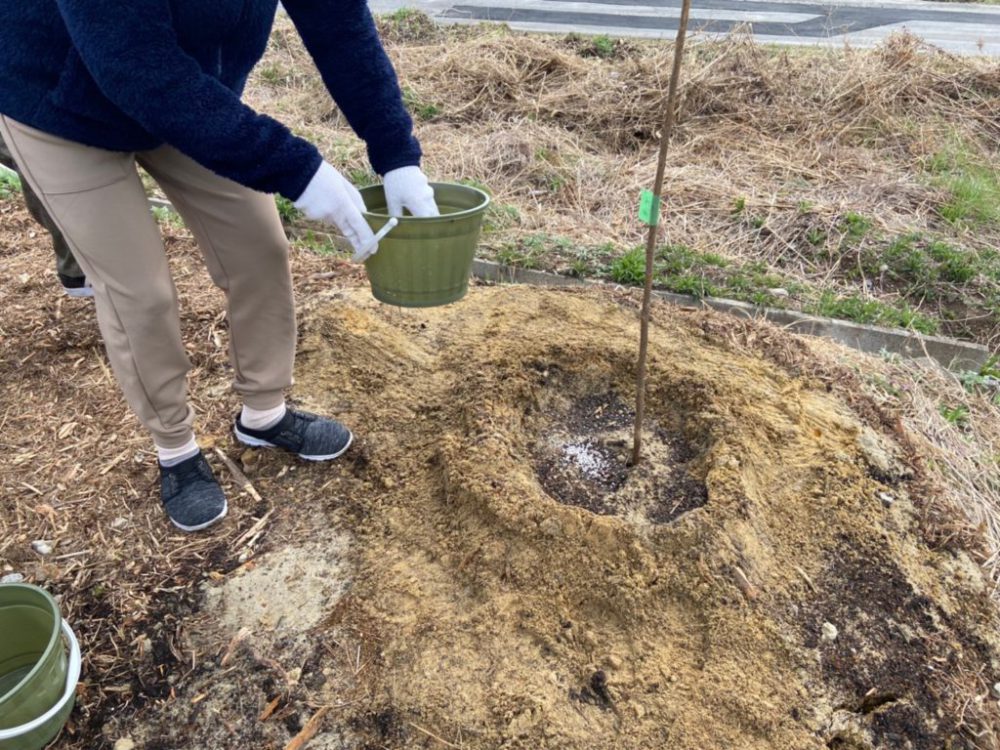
<point x="238" y="475"/>
<point x="308" y="731"/>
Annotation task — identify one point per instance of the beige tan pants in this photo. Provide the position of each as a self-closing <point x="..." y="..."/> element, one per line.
<point x="97" y="199"/>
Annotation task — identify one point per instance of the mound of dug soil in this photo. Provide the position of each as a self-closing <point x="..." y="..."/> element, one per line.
<point x="759" y="582"/>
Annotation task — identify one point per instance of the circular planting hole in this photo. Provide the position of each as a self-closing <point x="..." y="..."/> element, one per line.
<point x="582" y="456"/>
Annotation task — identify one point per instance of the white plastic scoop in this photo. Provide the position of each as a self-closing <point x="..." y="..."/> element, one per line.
<point x="368" y="250"/>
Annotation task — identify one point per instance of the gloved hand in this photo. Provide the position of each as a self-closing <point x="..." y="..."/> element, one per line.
<point x="407" y="188"/>
<point x="330" y="198"/>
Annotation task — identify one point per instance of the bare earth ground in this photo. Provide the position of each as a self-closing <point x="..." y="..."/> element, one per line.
<point x="482" y="570"/>
<point x="850" y="183"/>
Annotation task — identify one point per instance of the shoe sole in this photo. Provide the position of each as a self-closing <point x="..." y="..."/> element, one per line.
<point x="79" y="292"/>
<point x="201" y="526"/>
<point x="258" y="443"/>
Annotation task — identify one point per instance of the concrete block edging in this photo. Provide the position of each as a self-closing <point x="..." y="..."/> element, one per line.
<point x="949" y="353"/>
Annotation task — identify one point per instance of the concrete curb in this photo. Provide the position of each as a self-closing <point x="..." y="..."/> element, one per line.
<point x="949" y="353"/>
<point x="952" y="354"/>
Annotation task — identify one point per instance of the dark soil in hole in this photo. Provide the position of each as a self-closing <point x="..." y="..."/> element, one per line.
<point x="582" y="459"/>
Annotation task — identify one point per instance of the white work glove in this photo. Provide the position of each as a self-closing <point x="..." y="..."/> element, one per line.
<point x="407" y="188"/>
<point x="330" y="198"/>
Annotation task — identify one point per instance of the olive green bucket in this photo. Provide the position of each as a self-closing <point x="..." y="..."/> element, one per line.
<point x="426" y="261"/>
<point x="37" y="680"/>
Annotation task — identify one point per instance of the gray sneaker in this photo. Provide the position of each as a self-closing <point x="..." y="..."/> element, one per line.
<point x="309" y="436"/>
<point x="76" y="286"/>
<point x="191" y="495"/>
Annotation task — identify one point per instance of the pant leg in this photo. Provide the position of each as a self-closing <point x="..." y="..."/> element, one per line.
<point x="96" y="199"/>
<point x="65" y="262"/>
<point x="246" y="251"/>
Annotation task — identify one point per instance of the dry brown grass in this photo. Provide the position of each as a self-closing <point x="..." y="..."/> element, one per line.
<point x="566" y="140"/>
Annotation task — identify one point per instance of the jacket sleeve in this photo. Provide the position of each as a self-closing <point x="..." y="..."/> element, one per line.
<point x="131" y="50"/>
<point x="342" y="39"/>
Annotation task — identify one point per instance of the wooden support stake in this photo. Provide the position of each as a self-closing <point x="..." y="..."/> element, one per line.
<point x="647" y="292"/>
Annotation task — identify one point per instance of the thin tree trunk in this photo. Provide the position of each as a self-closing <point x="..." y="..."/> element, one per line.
<point x="647" y="292"/>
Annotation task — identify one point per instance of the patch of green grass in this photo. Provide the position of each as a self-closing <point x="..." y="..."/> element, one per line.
<point x="714" y="259"/>
<point x="678" y="268"/>
<point x="286" y="210"/>
<point x="320" y="244"/>
<point x="407" y="24"/>
<point x="956" y="415"/>
<point x="991" y="367"/>
<point x="805" y="207"/>
<point x="954" y="264"/>
<point x="902" y="257"/>
<point x="816" y="236"/>
<point x="273" y="74"/>
<point x="762" y="299"/>
<point x="855" y="226"/>
<point x="757" y="222"/>
<point x="500" y="216"/>
<point x="589" y="260"/>
<point x="689" y="283"/>
<point x="360" y="177"/>
<point x="10" y="184"/>
<point x="601" y="45"/>
<point x="987" y="376"/>
<point x="556" y="182"/>
<point x="922" y="265"/>
<point x="403" y="15"/>
<point x="421" y="108"/>
<point x="428" y="111"/>
<point x="739" y="205"/>
<point x="630" y="268"/>
<point x="873" y="312"/>
<point x="972" y="182"/>
<point x="604" y="46"/>
<point x="676" y="259"/>
<point x="579" y="268"/>
<point x="529" y="252"/>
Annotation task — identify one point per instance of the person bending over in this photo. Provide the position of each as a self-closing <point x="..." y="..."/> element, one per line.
<point x="91" y="88"/>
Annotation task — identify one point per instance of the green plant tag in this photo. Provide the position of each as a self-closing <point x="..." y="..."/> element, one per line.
<point x="649" y="208"/>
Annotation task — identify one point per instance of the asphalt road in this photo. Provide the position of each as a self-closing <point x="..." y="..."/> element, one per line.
<point x="970" y="29"/>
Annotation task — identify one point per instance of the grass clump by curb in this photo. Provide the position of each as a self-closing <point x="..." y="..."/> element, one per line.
<point x="871" y="311"/>
<point x="682" y="270"/>
<point x="920" y="265"/>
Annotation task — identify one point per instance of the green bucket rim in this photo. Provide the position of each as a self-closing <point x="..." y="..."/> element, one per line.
<point x="50" y="723"/>
<point x="55" y="637"/>
<point x="481" y="206"/>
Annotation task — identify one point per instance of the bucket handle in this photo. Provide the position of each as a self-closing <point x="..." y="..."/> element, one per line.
<point x="72" y="678"/>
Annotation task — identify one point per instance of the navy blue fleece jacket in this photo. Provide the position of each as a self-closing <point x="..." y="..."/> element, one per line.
<point x="130" y="75"/>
